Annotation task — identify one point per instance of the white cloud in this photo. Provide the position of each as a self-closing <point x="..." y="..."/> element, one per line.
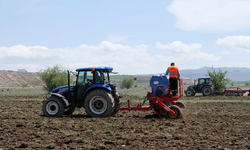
<point x="139" y="59"/>
<point x="187" y="52"/>
<point x="179" y="47"/>
<point x="211" y="15"/>
<point x="25" y="52"/>
<point x="105" y="54"/>
<point x="235" y="43"/>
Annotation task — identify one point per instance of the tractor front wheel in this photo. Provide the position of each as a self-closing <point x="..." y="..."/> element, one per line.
<point x="53" y="107"/>
<point x="206" y="91"/>
<point x="189" y="92"/>
<point x="99" y="103"/>
<point x="177" y="113"/>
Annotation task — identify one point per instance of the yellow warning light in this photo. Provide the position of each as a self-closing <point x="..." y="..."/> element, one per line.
<point x="93" y="69"/>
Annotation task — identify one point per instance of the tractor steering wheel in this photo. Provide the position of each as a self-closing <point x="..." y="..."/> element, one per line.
<point x="89" y="82"/>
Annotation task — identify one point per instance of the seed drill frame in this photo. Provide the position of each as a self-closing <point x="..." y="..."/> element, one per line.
<point x="160" y="99"/>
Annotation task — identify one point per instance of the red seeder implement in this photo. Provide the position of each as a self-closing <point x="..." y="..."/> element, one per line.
<point x="160" y="99"/>
<point x="237" y="92"/>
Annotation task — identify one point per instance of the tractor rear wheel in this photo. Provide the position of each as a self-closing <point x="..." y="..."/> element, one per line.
<point x="189" y="92"/>
<point x="99" y="103"/>
<point x="53" y="107"/>
<point x="177" y="111"/>
<point x="206" y="91"/>
<point x="180" y="104"/>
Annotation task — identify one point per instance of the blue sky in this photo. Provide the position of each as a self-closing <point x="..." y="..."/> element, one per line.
<point x="134" y="37"/>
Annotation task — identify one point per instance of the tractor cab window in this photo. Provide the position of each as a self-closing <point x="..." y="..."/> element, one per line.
<point x="106" y="77"/>
<point x="80" y="78"/>
<point x="89" y="78"/>
<point x="85" y="78"/>
<point x="208" y="81"/>
<point x="98" y="77"/>
<point x="201" y="81"/>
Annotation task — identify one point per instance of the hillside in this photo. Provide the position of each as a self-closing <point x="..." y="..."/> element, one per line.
<point x="234" y="73"/>
<point x="14" y="78"/>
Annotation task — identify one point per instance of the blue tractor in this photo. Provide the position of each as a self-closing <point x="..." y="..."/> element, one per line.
<point x="203" y="86"/>
<point x="92" y="91"/>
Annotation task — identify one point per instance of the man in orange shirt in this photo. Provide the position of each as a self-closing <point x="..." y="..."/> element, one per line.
<point x="174" y="75"/>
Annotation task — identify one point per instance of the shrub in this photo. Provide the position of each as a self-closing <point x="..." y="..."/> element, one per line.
<point x="54" y="77"/>
<point x="127" y="83"/>
<point x="247" y="83"/>
<point x="232" y="84"/>
<point x="218" y="79"/>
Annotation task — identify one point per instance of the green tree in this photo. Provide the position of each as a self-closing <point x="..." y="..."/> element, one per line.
<point x="218" y="79"/>
<point x="127" y="83"/>
<point x="54" y="77"/>
<point x="246" y="83"/>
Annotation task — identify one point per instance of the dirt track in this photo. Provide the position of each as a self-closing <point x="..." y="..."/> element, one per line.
<point x="204" y="126"/>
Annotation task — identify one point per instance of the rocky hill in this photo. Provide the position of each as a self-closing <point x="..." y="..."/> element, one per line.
<point x="14" y="78"/>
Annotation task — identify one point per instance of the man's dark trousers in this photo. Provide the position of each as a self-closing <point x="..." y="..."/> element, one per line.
<point x="173" y="86"/>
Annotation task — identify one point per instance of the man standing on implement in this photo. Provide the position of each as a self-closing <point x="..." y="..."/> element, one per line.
<point x="174" y="75"/>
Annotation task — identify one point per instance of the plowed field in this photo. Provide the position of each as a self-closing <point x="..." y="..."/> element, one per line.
<point x="214" y="125"/>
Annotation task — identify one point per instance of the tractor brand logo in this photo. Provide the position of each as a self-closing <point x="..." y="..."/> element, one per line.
<point x="62" y="90"/>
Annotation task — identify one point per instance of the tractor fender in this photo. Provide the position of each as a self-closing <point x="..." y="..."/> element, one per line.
<point x="97" y="86"/>
<point x="61" y="97"/>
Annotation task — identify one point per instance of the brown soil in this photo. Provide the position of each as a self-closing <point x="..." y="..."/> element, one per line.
<point x="215" y="125"/>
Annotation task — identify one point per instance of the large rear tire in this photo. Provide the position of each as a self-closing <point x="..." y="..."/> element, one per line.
<point x="99" y="103"/>
<point x="206" y="91"/>
<point x="53" y="107"/>
<point x="177" y="111"/>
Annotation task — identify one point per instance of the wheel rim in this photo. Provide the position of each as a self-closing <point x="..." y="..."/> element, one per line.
<point x="240" y="94"/>
<point x="98" y="105"/>
<point x="189" y="93"/>
<point x="52" y="108"/>
<point x="173" y="116"/>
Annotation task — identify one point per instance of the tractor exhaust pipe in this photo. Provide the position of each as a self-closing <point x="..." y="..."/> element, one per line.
<point x="69" y="94"/>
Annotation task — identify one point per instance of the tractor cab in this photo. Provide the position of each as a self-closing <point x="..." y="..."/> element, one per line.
<point x="203" y="86"/>
<point x="203" y="82"/>
<point x="90" y="78"/>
